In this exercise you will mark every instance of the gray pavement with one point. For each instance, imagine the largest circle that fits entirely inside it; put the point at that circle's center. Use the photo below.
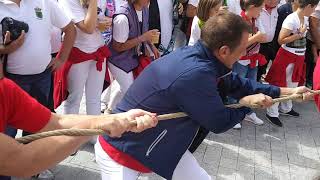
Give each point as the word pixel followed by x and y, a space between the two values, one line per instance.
pixel 252 153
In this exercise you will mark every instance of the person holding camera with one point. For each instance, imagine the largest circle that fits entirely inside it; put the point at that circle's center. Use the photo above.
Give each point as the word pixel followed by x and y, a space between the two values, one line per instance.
pixel 25 26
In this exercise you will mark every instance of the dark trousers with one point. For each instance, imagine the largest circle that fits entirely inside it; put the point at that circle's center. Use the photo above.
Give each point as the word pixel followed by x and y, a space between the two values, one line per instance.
pixel 269 50
pixel 310 64
pixel 201 135
pixel 5 178
pixel 38 86
pixel 50 98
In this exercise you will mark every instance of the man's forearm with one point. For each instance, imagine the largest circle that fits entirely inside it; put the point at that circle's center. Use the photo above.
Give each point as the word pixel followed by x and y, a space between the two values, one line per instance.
pixel 30 159
pixel 70 121
pixel 68 42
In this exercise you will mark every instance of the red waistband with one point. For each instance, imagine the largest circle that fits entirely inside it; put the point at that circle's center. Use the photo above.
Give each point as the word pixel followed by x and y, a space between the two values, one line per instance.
pixel 254 58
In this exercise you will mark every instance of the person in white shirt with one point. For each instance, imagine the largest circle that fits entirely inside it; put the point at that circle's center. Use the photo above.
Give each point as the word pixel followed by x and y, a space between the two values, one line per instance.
pixel 246 67
pixel 164 16
pixel 206 9
pixel 287 69
pixel 29 62
pixel 87 73
pixel 269 17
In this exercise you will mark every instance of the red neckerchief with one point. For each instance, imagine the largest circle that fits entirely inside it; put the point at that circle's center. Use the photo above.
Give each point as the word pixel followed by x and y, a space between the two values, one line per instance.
pixel 246 18
pixel 251 22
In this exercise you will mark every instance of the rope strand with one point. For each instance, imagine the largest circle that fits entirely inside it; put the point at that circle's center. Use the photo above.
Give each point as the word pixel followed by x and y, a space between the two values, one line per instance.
pixel 163 117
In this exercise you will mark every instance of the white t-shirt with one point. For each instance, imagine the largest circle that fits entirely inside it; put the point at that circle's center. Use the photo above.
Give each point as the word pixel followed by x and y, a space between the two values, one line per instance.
pixel 269 22
pixel 292 22
pixel 195 31
pixel 121 27
pixel 55 39
pixel 166 24
pixel 194 2
pixel 234 6
pixel 35 54
pixel 87 43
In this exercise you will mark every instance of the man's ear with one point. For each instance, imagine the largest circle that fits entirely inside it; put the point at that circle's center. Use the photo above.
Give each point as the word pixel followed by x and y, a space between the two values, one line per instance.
pixel 224 52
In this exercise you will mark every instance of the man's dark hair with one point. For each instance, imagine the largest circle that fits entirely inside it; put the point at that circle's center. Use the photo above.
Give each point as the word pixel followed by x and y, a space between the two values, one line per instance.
pixel 225 29
pixel 245 4
pixel 305 3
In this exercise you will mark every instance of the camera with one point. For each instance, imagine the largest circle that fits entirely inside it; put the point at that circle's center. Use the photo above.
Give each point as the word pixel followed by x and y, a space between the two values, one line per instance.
pixel 15 27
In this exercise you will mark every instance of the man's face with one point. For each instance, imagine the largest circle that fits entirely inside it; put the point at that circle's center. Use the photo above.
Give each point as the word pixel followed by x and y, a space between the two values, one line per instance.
pixel 228 57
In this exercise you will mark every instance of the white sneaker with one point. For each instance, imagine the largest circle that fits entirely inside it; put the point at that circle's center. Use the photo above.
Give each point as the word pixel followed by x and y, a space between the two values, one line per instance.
pixel 253 118
pixel 107 111
pixel 237 126
pixel 45 175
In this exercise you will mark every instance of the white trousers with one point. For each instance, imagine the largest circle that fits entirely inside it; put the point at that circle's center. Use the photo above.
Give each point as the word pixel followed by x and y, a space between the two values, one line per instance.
pixel 285 107
pixel 124 80
pixel 85 76
pixel 187 168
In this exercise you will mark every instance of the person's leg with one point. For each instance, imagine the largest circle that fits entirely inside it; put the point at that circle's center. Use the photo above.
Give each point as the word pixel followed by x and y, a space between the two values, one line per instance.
pixel 5 178
pixel 252 116
pixel 93 91
pixel 41 87
pixel 105 96
pixel 124 79
pixel 201 135
pixel 77 78
pixel 189 168
pixel 266 50
pixel 309 60
pixel 240 69
pixel 286 107
pixel 111 170
pixel 94 86
pixel 24 84
pixel 273 111
pixel 40 90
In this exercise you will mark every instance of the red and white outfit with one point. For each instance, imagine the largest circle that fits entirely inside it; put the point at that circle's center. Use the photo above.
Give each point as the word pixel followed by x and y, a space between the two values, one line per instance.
pixel 20 110
pixel 88 74
pixel 289 60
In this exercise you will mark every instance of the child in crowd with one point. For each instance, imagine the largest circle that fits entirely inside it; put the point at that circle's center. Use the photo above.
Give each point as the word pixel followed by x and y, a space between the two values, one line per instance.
pixel 288 68
pixel 206 9
pixel 247 65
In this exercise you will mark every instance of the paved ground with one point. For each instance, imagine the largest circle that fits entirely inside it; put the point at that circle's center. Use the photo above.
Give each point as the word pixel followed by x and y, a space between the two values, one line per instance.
pixel 252 153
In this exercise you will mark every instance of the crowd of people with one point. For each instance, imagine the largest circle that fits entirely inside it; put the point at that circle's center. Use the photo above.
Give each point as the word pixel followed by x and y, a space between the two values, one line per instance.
pixel 162 56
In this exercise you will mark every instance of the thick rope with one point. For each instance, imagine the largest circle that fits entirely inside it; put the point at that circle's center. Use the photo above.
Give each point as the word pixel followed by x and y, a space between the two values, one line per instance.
pixel 93 132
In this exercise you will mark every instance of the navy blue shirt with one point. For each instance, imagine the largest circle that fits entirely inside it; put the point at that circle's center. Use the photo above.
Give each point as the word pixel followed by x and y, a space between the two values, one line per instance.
pixel 185 80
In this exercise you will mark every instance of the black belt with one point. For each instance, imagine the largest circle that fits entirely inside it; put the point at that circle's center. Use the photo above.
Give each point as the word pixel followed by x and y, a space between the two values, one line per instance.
pixel 296 47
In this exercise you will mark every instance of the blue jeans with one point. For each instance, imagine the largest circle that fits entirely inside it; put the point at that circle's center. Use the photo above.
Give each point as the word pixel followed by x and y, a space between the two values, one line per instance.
pixel 244 72
pixel 38 86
